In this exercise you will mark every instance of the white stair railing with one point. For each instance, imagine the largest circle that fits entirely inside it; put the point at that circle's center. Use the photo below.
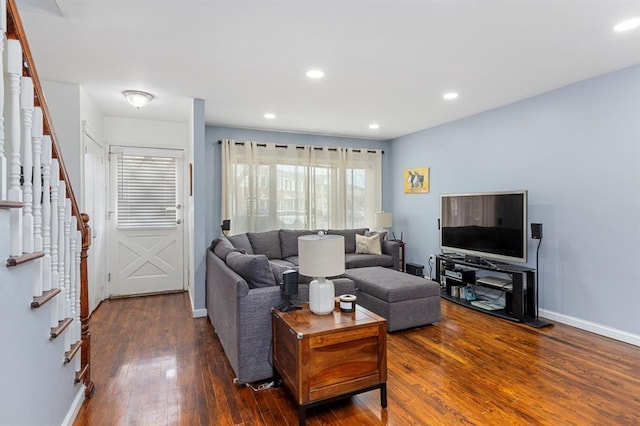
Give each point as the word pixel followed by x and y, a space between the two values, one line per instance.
pixel 55 282
pixel 12 121
pixel 62 196
pixel 26 151
pixel 36 137
pixel 48 230
pixel 46 213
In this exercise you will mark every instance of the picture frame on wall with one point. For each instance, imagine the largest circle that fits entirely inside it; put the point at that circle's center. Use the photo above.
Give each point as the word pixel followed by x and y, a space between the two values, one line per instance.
pixel 416 181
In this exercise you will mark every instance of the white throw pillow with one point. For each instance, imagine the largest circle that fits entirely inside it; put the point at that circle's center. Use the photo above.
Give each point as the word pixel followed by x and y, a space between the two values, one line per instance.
pixel 368 245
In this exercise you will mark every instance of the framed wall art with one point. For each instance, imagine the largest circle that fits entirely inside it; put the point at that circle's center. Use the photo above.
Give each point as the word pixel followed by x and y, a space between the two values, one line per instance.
pixel 416 181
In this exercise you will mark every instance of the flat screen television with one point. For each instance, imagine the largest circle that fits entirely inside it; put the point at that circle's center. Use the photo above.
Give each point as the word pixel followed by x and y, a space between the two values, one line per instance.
pixel 488 225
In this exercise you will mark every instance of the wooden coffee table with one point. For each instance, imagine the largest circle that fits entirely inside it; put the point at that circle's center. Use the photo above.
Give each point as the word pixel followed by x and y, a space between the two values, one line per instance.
pixel 322 358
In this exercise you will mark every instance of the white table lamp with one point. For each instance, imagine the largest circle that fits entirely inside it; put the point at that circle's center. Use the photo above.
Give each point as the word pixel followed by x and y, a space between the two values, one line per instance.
pixel 384 220
pixel 321 256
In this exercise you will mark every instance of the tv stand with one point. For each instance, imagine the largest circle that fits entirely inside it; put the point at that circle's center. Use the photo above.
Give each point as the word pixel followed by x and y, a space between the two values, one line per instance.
pixel 519 295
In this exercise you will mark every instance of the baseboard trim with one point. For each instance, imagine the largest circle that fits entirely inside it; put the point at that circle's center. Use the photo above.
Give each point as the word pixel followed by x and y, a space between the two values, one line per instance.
pixel 600 329
pixel 199 313
pixel 75 408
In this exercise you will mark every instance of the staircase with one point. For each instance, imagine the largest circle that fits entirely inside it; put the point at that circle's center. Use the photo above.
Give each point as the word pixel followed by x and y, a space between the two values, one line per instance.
pixel 44 242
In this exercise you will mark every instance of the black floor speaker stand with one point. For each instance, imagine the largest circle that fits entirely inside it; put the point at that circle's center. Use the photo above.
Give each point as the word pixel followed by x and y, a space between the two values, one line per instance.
pixel 537 322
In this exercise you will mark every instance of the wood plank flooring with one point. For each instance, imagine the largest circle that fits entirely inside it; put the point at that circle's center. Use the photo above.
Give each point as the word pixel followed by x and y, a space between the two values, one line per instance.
pixel 153 364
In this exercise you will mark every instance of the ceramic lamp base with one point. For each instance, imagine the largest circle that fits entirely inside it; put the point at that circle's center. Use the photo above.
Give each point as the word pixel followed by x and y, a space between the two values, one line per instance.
pixel 321 296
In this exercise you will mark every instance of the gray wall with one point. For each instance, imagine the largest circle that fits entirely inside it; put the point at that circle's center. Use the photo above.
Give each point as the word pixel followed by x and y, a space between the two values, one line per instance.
pixel 213 153
pixel 37 388
pixel 576 150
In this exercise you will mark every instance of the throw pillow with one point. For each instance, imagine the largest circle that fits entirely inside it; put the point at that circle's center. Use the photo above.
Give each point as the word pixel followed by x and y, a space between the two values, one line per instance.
pixel 382 235
pixel 254 268
pixel 222 247
pixel 368 245
pixel 278 269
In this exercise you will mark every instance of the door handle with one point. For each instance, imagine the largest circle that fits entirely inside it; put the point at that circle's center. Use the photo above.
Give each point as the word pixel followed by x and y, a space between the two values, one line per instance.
pixel 179 221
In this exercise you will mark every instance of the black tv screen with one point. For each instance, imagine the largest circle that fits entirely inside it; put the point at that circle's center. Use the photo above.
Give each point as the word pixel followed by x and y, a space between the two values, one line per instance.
pixel 492 225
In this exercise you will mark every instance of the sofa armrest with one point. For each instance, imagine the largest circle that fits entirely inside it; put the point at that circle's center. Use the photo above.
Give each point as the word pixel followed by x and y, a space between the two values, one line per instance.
pixel 392 248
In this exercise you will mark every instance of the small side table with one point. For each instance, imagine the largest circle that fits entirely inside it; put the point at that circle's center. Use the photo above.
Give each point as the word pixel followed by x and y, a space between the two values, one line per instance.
pixel 323 358
pixel 403 259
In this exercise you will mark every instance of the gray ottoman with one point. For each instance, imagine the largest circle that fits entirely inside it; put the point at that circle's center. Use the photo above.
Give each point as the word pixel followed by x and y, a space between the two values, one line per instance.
pixel 404 300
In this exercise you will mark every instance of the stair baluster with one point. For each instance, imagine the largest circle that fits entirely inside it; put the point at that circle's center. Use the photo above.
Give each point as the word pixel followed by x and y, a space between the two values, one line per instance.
pixel 62 196
pixel 14 192
pixel 46 213
pixel 66 300
pixel 26 152
pixel 55 281
pixel 36 137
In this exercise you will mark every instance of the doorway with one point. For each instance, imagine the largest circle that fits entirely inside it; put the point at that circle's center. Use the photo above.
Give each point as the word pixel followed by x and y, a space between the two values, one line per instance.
pixel 145 221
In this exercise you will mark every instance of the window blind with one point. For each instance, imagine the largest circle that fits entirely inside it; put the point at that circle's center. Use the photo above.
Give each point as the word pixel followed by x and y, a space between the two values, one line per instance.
pixel 146 191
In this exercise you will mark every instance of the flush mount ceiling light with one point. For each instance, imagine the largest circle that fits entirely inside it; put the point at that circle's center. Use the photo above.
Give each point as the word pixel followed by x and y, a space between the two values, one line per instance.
pixel 315 74
pixel 137 98
pixel 269 116
pixel 374 126
pixel 449 96
pixel 627 25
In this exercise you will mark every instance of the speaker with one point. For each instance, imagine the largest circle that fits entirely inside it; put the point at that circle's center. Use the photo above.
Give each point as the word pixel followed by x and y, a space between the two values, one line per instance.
pixel 536 231
pixel 290 282
pixel 226 225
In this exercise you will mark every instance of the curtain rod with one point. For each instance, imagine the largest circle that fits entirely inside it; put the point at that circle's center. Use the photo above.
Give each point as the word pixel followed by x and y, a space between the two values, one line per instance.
pixel 299 147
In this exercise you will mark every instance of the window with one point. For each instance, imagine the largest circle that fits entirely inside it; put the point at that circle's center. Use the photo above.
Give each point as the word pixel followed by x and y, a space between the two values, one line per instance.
pixel 299 187
pixel 146 191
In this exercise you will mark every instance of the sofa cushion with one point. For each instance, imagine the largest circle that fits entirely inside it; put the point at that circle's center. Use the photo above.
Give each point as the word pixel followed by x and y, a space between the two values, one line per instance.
pixel 349 237
pixel 352 260
pixel 241 241
pixel 368 245
pixel 289 241
pixel 267 243
pixel 278 269
pixel 254 268
pixel 221 246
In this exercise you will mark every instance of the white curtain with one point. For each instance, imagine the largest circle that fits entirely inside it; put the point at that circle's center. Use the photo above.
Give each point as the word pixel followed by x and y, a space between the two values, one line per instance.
pixel 269 186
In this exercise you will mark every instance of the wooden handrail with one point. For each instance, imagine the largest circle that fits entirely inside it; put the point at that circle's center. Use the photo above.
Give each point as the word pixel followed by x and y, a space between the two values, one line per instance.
pixel 15 30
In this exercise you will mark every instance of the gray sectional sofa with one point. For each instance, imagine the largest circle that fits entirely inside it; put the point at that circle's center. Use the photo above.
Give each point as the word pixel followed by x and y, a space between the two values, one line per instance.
pixel 243 272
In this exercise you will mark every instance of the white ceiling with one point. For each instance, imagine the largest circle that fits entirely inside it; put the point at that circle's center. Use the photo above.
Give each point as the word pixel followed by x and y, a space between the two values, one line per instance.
pixel 386 61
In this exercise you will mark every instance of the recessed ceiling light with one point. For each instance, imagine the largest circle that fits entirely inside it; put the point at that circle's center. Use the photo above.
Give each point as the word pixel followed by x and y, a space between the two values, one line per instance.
pixel 269 116
pixel 315 74
pixel 627 25
pixel 449 96
pixel 374 126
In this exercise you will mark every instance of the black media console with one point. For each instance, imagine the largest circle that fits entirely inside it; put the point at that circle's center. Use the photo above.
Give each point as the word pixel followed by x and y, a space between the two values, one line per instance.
pixel 517 283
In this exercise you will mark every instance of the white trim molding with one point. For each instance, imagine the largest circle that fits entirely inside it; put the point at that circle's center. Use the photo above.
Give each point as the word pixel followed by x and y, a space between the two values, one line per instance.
pixel 75 407
pixel 199 313
pixel 602 330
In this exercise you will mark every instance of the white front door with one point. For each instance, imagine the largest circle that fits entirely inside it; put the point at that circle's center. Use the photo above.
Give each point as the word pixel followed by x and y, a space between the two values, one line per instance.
pixel 145 220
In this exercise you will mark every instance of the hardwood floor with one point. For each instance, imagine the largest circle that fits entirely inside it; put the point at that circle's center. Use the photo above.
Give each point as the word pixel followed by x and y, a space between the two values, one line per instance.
pixel 153 364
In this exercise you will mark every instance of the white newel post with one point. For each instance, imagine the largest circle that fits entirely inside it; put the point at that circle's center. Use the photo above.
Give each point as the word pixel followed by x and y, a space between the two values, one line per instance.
pixel 12 111
pixel 46 213
pixel 36 136
pixel 26 109
pixel 55 282
pixel 3 159
pixel 62 196
pixel 67 268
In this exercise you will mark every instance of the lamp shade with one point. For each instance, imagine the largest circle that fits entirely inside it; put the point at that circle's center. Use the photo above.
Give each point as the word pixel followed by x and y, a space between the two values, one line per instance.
pixel 321 256
pixel 384 220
